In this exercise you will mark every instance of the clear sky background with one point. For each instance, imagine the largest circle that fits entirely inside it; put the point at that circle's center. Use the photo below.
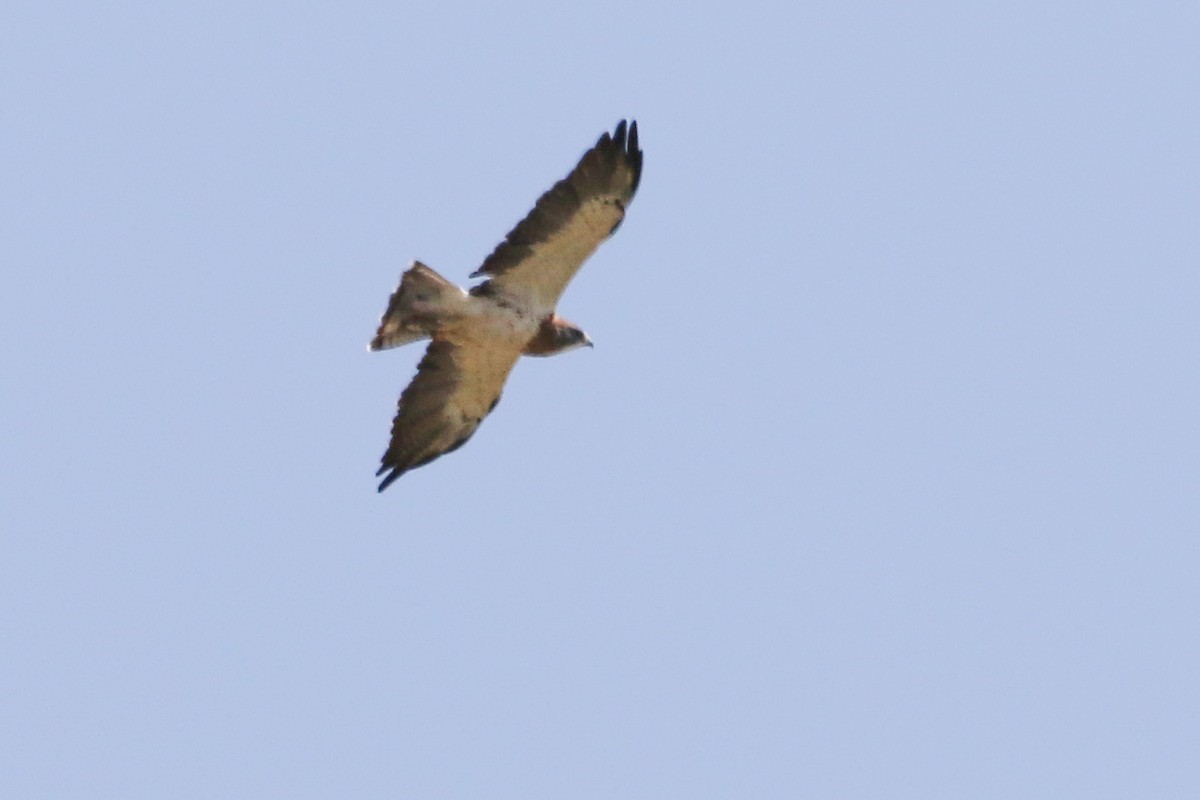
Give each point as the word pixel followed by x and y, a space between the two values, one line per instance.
pixel 883 479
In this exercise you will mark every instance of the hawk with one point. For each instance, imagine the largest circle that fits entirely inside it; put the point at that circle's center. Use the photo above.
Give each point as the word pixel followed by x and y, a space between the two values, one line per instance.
pixel 478 334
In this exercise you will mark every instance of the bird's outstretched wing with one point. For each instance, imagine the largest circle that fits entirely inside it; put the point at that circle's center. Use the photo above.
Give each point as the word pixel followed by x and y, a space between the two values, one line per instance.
pixel 543 252
pixel 456 386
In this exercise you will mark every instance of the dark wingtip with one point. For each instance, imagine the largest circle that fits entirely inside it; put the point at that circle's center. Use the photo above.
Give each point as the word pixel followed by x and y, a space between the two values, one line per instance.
pixel 392 476
pixel 632 151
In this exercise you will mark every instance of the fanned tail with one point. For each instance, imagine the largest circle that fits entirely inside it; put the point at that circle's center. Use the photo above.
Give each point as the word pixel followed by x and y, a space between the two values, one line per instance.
pixel 423 301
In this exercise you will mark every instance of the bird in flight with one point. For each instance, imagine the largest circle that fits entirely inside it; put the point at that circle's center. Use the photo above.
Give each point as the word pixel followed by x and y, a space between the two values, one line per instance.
pixel 478 334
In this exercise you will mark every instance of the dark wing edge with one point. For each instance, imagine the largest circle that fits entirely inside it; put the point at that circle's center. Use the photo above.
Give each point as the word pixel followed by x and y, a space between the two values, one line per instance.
pixel 455 388
pixel 611 169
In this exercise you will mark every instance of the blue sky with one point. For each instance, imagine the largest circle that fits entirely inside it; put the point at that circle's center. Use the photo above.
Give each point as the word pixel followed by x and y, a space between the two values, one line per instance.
pixel 881 481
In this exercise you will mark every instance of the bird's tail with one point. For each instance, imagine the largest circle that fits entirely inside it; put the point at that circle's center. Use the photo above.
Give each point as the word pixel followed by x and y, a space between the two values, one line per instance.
pixel 422 303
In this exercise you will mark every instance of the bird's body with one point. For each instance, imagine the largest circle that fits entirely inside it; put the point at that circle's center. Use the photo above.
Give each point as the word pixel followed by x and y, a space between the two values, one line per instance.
pixel 479 334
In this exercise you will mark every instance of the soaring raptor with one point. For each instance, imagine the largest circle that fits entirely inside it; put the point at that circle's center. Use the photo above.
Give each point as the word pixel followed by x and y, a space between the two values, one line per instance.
pixel 479 334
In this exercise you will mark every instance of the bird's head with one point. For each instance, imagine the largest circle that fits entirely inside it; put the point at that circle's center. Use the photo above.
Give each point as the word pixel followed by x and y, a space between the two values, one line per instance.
pixel 556 335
